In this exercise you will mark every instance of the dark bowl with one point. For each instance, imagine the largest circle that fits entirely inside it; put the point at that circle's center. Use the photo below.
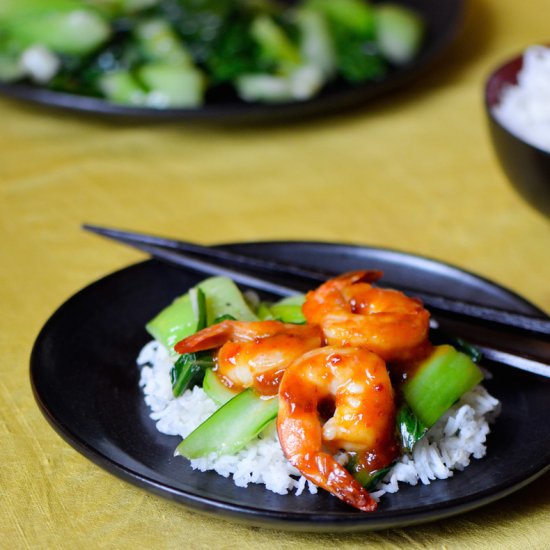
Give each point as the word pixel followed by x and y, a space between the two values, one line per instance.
pixel 527 166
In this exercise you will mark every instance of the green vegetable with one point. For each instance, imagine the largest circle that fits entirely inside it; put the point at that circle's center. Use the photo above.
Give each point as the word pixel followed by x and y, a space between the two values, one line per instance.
pixel 466 348
pixel 438 382
pixel 173 323
pixel 198 304
pixel 399 32
pixel 352 27
pixel 178 320
pixel 122 87
pixel 264 312
pixel 159 42
pixel 223 297
pixel 264 87
pixel 275 46
pixel 116 8
pixel 14 9
pixel 215 389
pixel 286 310
pixel 189 370
pixel 223 318
pixel 410 428
pixel 358 60
pixel 108 73
pixel 287 313
pixel 171 86
pixel 10 68
pixel 316 44
pixel 231 427
pixel 234 53
pixel 200 23
pixel 366 478
pixel 76 32
pixel 295 300
pixel 355 15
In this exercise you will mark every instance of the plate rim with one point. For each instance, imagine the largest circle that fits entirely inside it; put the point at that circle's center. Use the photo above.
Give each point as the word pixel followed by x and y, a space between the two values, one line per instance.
pixel 332 521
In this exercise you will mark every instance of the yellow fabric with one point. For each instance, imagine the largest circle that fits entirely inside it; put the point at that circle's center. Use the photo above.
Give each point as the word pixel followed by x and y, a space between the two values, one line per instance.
pixel 414 171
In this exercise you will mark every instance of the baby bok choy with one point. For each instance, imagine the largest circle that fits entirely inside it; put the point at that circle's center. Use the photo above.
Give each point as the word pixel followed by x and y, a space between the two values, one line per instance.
pixel 179 320
pixel 242 416
pixel 439 382
pixel 432 389
pixel 232 426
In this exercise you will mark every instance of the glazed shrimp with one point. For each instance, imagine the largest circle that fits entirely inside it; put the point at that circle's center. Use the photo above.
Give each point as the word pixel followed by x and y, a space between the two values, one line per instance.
pixel 353 312
pixel 253 354
pixel 357 385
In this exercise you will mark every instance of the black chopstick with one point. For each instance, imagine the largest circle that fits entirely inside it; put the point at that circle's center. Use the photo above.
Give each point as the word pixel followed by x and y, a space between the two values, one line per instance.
pixel 197 257
pixel 204 266
pixel 271 266
pixel 173 255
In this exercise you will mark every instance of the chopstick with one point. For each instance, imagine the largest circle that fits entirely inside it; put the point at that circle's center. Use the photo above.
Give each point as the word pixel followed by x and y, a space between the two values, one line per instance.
pixel 202 254
pixel 188 255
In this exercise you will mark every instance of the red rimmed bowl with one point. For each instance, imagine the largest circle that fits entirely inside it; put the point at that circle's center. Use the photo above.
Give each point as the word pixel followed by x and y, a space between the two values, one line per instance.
pixel 526 166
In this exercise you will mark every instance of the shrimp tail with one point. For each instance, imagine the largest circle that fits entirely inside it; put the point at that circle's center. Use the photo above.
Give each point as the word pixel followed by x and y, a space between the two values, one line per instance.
pixel 360 276
pixel 209 338
pixel 337 284
pixel 321 469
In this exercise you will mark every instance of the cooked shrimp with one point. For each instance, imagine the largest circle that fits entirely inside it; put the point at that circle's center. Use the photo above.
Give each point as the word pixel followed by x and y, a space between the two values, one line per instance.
pixel 353 312
pixel 253 354
pixel 354 383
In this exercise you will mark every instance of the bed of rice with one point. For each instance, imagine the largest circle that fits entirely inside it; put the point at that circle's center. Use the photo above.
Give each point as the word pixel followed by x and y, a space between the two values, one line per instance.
pixel 524 108
pixel 451 443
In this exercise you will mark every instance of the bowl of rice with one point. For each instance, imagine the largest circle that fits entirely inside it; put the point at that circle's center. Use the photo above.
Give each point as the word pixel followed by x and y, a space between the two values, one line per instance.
pixel 518 112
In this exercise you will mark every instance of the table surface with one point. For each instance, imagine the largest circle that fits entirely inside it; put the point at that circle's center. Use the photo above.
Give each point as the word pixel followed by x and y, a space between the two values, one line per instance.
pixel 413 171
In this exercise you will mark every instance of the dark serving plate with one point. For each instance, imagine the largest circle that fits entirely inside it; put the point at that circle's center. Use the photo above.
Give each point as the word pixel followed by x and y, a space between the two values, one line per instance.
pixel 85 381
pixel 443 21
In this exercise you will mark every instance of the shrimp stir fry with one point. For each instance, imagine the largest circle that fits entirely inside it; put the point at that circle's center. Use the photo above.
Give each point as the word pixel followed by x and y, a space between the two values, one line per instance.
pixel 354 385
pixel 253 354
pixel 353 312
pixel 334 389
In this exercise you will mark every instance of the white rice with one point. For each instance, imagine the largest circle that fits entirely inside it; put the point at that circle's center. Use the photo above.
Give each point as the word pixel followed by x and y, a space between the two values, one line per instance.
pixel 524 109
pixel 450 444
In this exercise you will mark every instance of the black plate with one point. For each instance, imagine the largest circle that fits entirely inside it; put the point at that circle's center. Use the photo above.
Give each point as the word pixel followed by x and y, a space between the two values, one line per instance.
pixel 443 21
pixel 86 383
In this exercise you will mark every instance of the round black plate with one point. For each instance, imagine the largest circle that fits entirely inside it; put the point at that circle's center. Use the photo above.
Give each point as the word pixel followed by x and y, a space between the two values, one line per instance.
pixel 443 20
pixel 86 383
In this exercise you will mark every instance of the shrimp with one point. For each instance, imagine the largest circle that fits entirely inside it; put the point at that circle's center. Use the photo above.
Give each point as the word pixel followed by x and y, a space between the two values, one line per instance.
pixel 254 353
pixel 353 312
pixel 355 385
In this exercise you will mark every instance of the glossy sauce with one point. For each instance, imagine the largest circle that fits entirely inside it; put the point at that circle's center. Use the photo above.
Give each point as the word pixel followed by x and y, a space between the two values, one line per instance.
pixel 260 363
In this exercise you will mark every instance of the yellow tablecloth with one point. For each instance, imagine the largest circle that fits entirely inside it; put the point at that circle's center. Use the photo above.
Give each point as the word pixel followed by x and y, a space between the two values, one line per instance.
pixel 414 171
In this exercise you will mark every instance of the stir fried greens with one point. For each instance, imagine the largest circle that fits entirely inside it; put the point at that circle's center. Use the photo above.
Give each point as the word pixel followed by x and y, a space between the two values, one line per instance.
pixel 181 53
